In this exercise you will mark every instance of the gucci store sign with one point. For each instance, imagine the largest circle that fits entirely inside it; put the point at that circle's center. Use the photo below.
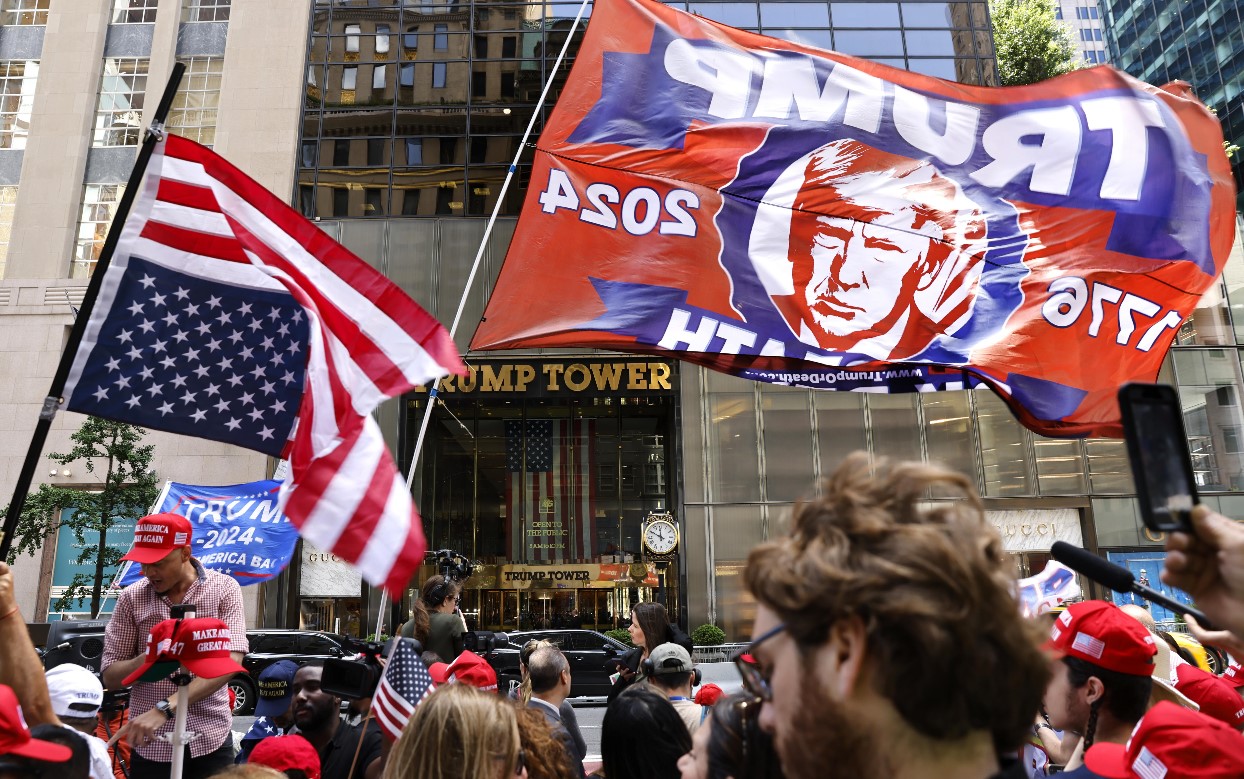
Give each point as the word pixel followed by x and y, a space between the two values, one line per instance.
pixel 1036 530
pixel 325 575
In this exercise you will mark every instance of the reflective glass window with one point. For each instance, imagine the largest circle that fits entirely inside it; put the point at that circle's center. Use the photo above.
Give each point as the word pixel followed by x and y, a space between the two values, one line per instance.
pixel 864 43
pixel 821 39
pixel 865 14
pixel 926 15
pixel 733 14
pixel 948 431
pixel 794 15
pixel 939 68
pixel 1002 445
pixel 1209 382
pixel 895 426
pixel 786 424
pixel 934 43
pixel 1060 466
pixel 840 428
pixel 1109 471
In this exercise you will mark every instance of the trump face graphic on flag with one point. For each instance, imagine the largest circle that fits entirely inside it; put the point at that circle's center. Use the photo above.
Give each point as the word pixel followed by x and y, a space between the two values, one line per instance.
pixel 882 253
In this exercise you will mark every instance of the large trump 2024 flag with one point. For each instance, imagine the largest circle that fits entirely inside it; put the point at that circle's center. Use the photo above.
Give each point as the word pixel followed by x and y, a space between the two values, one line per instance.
pixel 796 216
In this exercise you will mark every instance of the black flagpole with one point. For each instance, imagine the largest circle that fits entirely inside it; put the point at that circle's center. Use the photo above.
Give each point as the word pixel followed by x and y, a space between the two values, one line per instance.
pixel 54 401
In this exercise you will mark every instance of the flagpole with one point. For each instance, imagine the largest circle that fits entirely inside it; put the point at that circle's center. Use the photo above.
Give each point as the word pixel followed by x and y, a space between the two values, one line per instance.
pixel 483 244
pixel 479 255
pixel 53 401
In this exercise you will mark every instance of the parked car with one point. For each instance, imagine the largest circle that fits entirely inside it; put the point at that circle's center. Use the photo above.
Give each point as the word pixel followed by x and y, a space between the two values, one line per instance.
pixel 270 645
pixel 587 651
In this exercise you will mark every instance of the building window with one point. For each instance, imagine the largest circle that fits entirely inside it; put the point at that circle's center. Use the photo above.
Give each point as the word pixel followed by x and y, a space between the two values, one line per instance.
pixel 353 31
pixel 134 11
pixel 8 201
pixel 479 84
pixel 410 41
pixel 509 46
pixel 99 206
pixel 341 202
pixel 25 12
pixel 17 97
pixel 306 200
pixel 414 151
pixel 376 151
pixel 1058 13
pixel 406 77
pixel 382 40
pixel 438 75
pixel 379 78
pixel 118 117
pixel 205 10
pixel 481 47
pixel 194 109
pixel 440 37
pixel 341 153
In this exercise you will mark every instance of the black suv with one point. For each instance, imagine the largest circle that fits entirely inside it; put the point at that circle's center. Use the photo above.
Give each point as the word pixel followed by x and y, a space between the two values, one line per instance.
pixel 587 651
pixel 270 645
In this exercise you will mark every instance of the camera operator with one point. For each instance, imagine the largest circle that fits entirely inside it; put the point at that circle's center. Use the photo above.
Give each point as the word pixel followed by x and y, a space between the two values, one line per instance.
pixel 318 720
pixel 441 596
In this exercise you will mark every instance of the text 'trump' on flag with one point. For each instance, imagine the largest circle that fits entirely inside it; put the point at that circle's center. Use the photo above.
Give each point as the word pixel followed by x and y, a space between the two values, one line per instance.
pixel 226 315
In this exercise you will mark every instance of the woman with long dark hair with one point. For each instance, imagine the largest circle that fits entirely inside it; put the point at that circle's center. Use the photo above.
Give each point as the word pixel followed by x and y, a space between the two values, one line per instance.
pixel 642 736
pixel 650 627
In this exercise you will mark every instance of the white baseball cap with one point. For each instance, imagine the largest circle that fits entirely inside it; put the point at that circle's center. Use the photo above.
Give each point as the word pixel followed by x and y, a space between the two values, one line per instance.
pixel 75 691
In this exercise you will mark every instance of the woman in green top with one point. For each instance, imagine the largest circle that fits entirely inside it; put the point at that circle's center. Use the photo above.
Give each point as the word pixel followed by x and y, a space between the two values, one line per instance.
pixel 445 624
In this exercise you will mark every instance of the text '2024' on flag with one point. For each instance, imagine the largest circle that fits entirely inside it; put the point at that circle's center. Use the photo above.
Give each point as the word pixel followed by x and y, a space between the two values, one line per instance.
pixel 226 315
pixel 796 216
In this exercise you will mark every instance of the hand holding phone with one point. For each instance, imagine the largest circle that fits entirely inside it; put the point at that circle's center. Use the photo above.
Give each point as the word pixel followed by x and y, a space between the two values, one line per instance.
pixel 1157 447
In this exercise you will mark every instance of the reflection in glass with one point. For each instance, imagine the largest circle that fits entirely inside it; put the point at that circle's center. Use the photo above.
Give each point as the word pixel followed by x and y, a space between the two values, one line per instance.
pixel 864 43
pixel 1002 448
pixel 732 447
pixel 1060 466
pixel 865 14
pixel 794 15
pixel 948 431
pixel 785 421
pixel 896 426
pixel 733 14
pixel 1209 381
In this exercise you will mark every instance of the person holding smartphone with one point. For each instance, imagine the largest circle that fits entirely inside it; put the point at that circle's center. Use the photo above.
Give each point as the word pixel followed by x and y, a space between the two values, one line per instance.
pixel 1207 562
pixel 441 596
pixel 650 627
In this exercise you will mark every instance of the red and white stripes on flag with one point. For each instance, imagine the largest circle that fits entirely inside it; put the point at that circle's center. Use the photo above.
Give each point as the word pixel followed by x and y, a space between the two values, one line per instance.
pixel 369 341
pixel 551 489
pixel 404 685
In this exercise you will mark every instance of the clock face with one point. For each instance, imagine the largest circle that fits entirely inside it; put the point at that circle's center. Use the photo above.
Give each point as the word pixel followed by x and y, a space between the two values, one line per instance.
pixel 661 537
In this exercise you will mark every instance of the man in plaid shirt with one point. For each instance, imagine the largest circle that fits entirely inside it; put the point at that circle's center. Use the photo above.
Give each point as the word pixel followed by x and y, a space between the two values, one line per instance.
pixel 172 577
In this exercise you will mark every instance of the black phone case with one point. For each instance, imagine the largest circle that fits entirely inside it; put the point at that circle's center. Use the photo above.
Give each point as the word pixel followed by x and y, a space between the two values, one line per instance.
pixel 1166 395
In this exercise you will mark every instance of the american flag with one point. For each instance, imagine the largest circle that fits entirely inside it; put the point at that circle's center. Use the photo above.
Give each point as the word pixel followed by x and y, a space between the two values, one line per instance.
pixel 1148 766
pixel 551 490
pixel 403 687
pixel 226 315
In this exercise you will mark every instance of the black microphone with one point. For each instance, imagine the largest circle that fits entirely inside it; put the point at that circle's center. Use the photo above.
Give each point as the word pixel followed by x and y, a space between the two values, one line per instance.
pixel 1118 578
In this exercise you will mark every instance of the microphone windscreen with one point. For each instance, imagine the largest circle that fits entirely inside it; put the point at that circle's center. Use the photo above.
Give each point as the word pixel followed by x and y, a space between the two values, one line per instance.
pixel 1104 572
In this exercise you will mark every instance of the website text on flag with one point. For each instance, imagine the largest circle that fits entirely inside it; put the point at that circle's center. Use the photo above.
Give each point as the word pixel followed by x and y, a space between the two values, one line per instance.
pixel 799 217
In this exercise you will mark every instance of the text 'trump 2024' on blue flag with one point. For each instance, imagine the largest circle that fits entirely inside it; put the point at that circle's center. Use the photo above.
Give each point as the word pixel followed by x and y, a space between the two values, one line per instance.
pixel 237 529
pixel 796 216
pixel 226 315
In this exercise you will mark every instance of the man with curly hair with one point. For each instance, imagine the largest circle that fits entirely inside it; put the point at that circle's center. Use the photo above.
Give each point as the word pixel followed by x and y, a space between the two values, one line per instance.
pixel 888 642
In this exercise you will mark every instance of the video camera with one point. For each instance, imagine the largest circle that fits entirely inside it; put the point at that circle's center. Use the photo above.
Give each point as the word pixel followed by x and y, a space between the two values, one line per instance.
pixel 481 641
pixel 454 566
pixel 357 677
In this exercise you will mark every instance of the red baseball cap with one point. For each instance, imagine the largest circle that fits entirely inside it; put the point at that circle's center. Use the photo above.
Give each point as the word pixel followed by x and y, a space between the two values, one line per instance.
pixel 286 752
pixel 470 668
pixel 1216 698
pixel 1100 633
pixel 157 535
pixel 1234 675
pixel 202 645
pixel 15 736
pixel 1173 741
pixel 439 672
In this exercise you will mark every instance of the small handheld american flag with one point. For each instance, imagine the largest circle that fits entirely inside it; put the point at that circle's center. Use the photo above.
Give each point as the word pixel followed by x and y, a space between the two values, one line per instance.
pixel 405 684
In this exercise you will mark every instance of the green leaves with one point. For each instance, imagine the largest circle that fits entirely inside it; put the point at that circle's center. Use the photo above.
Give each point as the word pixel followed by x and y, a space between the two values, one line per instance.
pixel 129 487
pixel 1031 44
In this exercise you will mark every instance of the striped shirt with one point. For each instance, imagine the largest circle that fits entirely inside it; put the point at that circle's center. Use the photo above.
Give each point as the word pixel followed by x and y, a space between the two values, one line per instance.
pixel 138 610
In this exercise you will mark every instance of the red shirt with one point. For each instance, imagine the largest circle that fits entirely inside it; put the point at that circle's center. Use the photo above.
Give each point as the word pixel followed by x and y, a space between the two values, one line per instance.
pixel 138 610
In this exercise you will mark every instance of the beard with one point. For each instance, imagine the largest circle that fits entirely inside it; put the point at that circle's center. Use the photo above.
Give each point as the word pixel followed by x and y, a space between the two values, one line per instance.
pixel 827 739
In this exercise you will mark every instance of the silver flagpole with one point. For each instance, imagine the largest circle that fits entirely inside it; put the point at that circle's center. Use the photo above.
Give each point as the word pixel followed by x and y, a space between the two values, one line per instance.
pixel 479 255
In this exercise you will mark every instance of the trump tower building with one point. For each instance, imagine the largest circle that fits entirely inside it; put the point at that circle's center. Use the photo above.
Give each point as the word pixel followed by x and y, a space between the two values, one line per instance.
pixel 581 481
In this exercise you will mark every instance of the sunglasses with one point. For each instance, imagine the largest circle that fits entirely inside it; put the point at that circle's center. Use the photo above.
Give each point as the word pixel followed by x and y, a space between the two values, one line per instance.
pixel 755 680
pixel 521 765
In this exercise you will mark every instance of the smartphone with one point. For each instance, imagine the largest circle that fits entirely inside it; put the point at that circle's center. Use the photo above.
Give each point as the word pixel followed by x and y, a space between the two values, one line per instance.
pixel 1153 424
pixel 181 611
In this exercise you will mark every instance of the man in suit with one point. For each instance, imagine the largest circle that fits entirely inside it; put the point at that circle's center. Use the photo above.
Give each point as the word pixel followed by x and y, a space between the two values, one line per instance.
pixel 550 685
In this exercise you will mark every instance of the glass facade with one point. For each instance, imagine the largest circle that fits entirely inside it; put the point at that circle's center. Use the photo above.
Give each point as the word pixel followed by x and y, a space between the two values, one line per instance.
pixel 417 108
pixel 1197 41
pixel 414 109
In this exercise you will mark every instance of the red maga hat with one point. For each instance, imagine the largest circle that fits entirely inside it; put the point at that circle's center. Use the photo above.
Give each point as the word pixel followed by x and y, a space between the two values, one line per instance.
pixel 1216 698
pixel 1234 675
pixel 1100 633
pixel 15 738
pixel 202 645
pixel 286 752
pixel 1172 741
pixel 470 668
pixel 157 535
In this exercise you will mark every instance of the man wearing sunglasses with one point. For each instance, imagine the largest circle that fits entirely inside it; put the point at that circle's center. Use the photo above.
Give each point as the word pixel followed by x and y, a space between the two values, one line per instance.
pixel 888 642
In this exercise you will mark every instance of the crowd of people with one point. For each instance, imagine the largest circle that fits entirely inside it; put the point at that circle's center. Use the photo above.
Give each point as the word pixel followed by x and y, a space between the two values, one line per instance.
pixel 887 643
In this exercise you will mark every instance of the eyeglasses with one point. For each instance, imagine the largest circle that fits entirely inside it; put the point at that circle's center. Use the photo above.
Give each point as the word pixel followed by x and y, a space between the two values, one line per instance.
pixel 521 765
pixel 754 680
